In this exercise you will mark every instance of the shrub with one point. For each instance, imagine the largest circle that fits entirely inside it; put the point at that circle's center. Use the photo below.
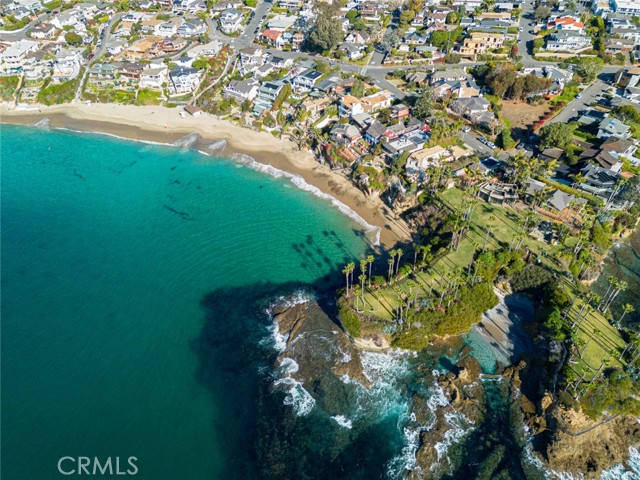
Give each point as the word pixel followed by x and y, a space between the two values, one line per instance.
pixel 349 320
pixel 531 278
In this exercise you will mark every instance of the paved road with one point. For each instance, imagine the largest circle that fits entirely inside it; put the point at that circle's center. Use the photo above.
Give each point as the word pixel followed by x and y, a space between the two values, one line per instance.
pixel 578 104
pixel 470 139
pixel 526 44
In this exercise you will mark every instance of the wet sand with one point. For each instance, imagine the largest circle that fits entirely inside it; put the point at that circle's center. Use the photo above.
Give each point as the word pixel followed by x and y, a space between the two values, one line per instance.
pixel 166 125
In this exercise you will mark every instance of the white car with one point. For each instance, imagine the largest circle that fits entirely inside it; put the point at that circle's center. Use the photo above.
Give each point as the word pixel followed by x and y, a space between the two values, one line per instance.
pixel 520 29
pixel 466 129
pixel 579 96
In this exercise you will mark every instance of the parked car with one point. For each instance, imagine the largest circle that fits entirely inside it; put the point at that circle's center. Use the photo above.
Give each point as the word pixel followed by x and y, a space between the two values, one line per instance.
pixel 466 129
pixel 579 96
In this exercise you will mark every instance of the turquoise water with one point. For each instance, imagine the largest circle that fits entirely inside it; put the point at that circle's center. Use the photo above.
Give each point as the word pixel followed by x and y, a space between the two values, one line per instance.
pixel 114 255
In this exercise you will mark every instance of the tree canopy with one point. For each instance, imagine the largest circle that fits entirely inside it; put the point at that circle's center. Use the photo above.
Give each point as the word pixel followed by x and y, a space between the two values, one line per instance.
pixel 556 135
pixel 327 30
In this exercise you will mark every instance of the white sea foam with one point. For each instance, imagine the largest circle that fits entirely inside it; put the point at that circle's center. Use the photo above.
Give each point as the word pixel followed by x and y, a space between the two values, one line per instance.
pixel 219 145
pixel 296 396
pixel 301 183
pixel 105 134
pixel 343 421
pixel 289 366
pixel 276 339
pixel 459 426
pixel 43 124
pixel 630 471
pixel 406 460
pixel 187 140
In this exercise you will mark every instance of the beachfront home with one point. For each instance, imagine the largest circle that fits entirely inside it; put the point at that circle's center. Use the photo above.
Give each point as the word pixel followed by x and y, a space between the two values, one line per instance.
pixel 267 94
pixel 242 89
pixel 306 80
pixel 153 77
pixel 184 79
pixel 11 58
pixel 567 41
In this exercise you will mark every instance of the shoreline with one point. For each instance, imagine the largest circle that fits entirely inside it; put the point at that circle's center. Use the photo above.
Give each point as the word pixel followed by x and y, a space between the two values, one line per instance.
pixel 164 125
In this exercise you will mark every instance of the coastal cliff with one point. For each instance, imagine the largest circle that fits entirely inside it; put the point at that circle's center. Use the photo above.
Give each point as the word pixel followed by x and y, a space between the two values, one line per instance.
pixel 451 417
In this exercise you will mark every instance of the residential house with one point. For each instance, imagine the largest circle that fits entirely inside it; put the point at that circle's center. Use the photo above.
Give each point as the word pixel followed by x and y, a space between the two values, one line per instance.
pixel 613 46
pixel 267 94
pixel 475 109
pixel 375 132
pixel 400 111
pixel 153 77
pixel 377 101
pixel 11 58
pixel 306 80
pixel 410 142
pixel 316 106
pixel 370 12
pixel 612 127
pixel 626 7
pixel 281 23
pixel 242 89
pixel 230 20
pixel 102 73
pixel 560 201
pixel 358 37
pixel 598 180
pixel 274 37
pixel 344 134
pixel 210 49
pixel 566 23
pixel 43 31
pixel 480 43
pixel 168 28
pixel 66 65
pixel 192 28
pixel 567 41
pixel 349 106
pixel 130 70
pixel 421 160
pixel 184 79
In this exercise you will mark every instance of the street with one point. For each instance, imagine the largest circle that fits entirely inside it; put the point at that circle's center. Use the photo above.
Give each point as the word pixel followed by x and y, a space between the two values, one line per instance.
pixel 578 104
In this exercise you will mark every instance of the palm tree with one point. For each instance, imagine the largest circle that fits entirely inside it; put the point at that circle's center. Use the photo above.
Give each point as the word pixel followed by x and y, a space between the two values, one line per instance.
pixel 352 267
pixel 370 261
pixel 390 262
pixel 627 308
pixel 362 277
pixel 426 253
pixel 345 270
pixel 399 252
pixel 486 238
pixel 357 291
pixel 612 282
pixel 620 287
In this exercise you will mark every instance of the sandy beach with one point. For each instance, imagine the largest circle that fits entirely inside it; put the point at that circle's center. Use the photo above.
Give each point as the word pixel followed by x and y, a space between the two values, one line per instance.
pixel 166 125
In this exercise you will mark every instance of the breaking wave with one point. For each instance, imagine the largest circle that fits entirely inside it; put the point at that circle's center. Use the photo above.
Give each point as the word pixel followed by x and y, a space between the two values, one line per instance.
pixel 343 421
pixel 296 396
pixel 218 146
pixel 187 140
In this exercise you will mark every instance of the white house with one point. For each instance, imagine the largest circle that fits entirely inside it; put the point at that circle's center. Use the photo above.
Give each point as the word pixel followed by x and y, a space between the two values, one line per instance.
pixel 230 20
pixel 12 57
pixel 153 77
pixel 242 89
pixel 184 79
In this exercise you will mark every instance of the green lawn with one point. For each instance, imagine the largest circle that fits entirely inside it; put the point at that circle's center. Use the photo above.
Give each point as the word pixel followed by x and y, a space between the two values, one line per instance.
pixel 148 97
pixel 504 223
pixel 568 94
pixel 606 343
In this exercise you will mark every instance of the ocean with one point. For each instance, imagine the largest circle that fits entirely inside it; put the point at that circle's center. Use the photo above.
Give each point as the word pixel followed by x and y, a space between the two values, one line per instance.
pixel 136 285
pixel 115 255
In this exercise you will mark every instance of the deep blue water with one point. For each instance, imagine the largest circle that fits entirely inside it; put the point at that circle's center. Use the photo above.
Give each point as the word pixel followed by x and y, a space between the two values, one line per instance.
pixel 133 283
